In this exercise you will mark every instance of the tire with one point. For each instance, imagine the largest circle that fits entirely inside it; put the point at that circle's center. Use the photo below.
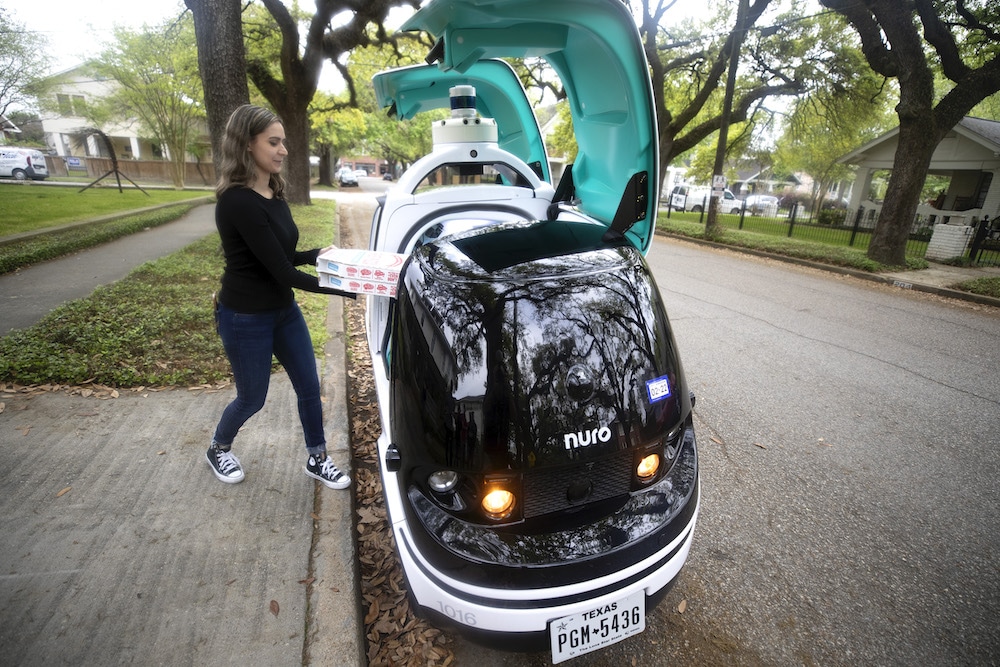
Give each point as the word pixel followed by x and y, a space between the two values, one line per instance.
pixel 19 175
pixel 696 209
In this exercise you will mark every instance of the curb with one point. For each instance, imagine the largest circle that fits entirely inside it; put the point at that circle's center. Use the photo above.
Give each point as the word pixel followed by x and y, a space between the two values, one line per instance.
pixel 892 281
pixel 336 633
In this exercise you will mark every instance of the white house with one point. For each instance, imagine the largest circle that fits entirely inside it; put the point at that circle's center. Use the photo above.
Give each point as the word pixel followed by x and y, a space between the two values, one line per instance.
pixel 140 156
pixel 63 118
pixel 969 154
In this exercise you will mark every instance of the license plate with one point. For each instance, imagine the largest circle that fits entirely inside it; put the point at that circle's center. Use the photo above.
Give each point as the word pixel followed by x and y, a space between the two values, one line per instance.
pixel 572 636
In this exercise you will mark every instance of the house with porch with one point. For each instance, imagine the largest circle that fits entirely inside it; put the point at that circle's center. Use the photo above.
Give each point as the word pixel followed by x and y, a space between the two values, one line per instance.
pixel 969 156
pixel 64 117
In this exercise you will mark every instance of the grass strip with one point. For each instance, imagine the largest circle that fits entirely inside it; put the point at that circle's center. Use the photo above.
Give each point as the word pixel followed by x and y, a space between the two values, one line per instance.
pixel 154 327
pixel 987 286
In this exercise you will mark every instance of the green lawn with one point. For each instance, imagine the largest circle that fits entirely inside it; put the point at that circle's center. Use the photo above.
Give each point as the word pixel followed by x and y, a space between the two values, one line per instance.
pixel 26 207
pixel 801 231
pixel 153 327
pixel 836 252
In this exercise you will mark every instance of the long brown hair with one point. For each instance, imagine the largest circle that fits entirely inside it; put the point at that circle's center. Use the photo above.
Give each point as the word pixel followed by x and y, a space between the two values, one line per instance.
pixel 237 166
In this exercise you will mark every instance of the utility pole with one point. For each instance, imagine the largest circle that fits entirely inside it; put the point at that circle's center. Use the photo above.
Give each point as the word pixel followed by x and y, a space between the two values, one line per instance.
pixel 718 179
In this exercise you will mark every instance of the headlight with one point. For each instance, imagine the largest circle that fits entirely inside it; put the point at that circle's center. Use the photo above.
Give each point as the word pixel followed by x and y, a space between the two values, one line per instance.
pixel 442 481
pixel 648 467
pixel 498 503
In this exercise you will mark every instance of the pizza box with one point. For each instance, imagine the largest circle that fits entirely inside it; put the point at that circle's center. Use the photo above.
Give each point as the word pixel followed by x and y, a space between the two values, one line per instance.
pixel 357 285
pixel 366 265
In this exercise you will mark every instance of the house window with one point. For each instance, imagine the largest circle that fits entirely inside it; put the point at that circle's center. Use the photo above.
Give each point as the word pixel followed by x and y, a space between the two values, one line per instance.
pixel 71 105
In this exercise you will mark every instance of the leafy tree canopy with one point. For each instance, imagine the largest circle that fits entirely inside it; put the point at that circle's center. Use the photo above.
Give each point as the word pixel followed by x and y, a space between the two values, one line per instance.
pixel 23 62
pixel 157 72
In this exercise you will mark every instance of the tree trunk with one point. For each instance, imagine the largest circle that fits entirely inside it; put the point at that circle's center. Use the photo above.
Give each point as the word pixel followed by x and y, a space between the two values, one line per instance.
pixel 325 171
pixel 296 123
pixel 218 28
pixel 917 141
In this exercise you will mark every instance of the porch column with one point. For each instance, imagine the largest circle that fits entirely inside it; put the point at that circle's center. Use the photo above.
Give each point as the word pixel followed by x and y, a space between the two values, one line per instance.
pixel 134 141
pixel 862 184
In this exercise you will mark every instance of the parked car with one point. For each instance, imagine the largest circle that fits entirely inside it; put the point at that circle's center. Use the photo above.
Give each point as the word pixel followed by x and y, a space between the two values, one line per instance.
pixel 346 178
pixel 765 205
pixel 695 198
pixel 387 176
pixel 23 163
pixel 537 447
pixel 360 173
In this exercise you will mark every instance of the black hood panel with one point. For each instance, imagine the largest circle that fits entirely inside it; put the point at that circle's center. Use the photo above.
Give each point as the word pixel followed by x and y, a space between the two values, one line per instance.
pixel 530 345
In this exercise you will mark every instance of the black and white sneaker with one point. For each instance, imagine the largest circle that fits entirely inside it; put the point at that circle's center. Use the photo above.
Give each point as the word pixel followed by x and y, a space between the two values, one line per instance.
pixel 324 470
pixel 225 465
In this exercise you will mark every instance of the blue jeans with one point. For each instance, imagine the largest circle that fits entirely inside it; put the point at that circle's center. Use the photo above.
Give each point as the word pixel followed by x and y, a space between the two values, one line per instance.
pixel 250 339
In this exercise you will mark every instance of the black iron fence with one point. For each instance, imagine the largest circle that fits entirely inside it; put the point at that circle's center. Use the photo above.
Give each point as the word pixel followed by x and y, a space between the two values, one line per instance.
pixel 985 247
pixel 831 226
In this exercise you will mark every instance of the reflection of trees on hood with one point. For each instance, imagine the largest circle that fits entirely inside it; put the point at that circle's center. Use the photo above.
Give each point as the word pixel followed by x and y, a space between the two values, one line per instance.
pixel 597 308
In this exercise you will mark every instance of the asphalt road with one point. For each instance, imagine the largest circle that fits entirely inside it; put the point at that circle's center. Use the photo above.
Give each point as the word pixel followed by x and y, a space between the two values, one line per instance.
pixel 848 437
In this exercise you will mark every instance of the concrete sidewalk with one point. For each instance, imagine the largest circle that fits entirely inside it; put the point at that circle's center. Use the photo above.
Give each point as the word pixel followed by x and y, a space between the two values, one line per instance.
pixel 120 546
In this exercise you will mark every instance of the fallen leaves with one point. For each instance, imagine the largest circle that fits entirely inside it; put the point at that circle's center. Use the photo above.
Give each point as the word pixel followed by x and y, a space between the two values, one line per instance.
pixel 91 389
pixel 275 608
pixel 86 389
pixel 64 492
pixel 682 607
pixel 395 635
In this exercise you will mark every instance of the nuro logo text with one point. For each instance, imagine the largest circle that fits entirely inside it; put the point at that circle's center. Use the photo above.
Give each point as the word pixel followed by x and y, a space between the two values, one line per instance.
pixel 586 438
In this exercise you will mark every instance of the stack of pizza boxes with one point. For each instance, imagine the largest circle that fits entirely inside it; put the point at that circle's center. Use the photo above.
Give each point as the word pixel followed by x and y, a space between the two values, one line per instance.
pixel 360 271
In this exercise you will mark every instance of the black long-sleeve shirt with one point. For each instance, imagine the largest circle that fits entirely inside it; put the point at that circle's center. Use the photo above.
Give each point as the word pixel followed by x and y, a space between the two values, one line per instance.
pixel 258 239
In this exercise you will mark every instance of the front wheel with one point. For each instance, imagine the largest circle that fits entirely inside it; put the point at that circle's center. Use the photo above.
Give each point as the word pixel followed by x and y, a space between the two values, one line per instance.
pixel 696 209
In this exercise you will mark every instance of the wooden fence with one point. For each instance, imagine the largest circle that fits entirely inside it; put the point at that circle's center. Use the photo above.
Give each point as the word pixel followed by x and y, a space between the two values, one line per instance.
pixel 141 171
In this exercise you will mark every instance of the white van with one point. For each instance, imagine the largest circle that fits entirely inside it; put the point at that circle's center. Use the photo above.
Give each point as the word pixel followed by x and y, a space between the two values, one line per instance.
pixel 696 198
pixel 22 163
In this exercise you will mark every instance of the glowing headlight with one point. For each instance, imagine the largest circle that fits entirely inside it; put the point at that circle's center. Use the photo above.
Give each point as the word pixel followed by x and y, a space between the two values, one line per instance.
pixel 443 481
pixel 647 467
pixel 498 503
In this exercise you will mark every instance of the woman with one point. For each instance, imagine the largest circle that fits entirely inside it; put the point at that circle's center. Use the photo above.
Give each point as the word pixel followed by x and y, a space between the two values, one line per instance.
pixel 256 311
